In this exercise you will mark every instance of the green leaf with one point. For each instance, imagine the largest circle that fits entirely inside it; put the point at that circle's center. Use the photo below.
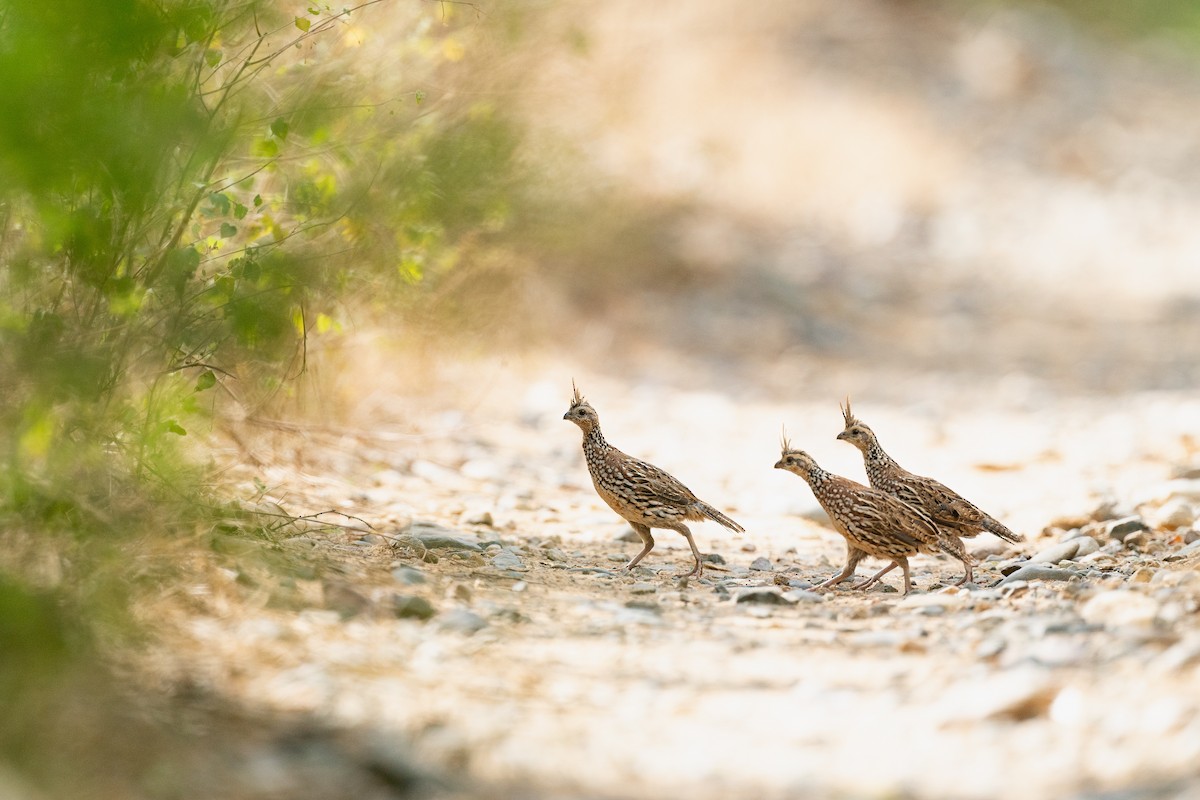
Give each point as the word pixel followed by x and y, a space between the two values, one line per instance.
pixel 420 96
pixel 175 428
pixel 303 24
pixel 220 202
pixel 212 57
pixel 207 380
pixel 258 201
pixel 280 128
pixel 228 231
pixel 265 148
pixel 239 211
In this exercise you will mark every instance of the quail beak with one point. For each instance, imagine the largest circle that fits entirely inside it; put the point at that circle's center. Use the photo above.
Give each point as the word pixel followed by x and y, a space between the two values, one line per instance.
pixel 567 415
pixel 779 464
pixel 843 436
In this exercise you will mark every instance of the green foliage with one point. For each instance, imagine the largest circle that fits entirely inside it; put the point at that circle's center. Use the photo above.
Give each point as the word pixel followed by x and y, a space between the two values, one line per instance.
pixel 191 188
pixel 184 200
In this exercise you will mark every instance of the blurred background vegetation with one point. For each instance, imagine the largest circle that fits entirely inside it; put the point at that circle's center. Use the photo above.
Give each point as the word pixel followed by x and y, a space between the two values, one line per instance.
pixel 202 202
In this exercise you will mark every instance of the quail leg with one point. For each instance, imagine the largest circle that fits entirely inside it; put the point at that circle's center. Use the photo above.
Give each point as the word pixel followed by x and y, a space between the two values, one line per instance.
pixel 969 576
pixel 647 540
pixel 697 570
pixel 874 579
pixel 853 556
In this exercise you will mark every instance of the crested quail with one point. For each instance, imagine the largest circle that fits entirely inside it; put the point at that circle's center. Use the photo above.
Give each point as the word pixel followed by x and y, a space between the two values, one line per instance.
pixel 946 507
pixel 641 493
pixel 873 522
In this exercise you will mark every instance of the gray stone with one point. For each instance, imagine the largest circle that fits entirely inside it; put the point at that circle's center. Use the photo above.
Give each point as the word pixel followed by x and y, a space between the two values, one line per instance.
pixel 408 576
pixel 411 606
pixel 1087 546
pixel 1191 536
pixel 802 596
pixel 1013 566
pixel 616 558
pixel 1037 572
pixel 763 596
pixel 1063 551
pixel 460 620
pixel 643 588
pixel 629 535
pixel 713 558
pixel 1187 551
pixel 508 560
pixel 648 606
pixel 1119 529
pixel 761 564
pixel 436 537
pixel 554 554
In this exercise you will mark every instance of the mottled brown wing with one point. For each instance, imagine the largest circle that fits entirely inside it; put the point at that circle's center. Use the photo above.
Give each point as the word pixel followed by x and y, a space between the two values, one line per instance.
pixel 650 485
pixel 888 516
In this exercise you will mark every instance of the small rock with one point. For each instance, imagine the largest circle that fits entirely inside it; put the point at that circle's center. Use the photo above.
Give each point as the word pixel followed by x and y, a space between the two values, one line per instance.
pixel 411 606
pixel 1120 608
pixel 408 576
pixel 1121 528
pixel 460 591
pixel 763 596
pixel 1037 572
pixel 761 564
pixel 1143 575
pixel 629 535
pixel 644 605
pixel 519 587
pixel 460 620
pixel 643 588
pixel 1136 540
pixel 616 558
pixel 1175 513
pixel 713 558
pixel 1013 566
pixel 1187 551
pixel 1063 551
pixel 1191 536
pixel 748 547
pixel 803 596
pixel 435 537
pixel 344 599
pixel 554 554
pixel 1087 546
pixel 508 560
pixel 479 518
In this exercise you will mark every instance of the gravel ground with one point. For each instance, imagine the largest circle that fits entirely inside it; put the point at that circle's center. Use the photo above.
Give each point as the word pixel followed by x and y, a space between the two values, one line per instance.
pixel 483 626
pixel 979 225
